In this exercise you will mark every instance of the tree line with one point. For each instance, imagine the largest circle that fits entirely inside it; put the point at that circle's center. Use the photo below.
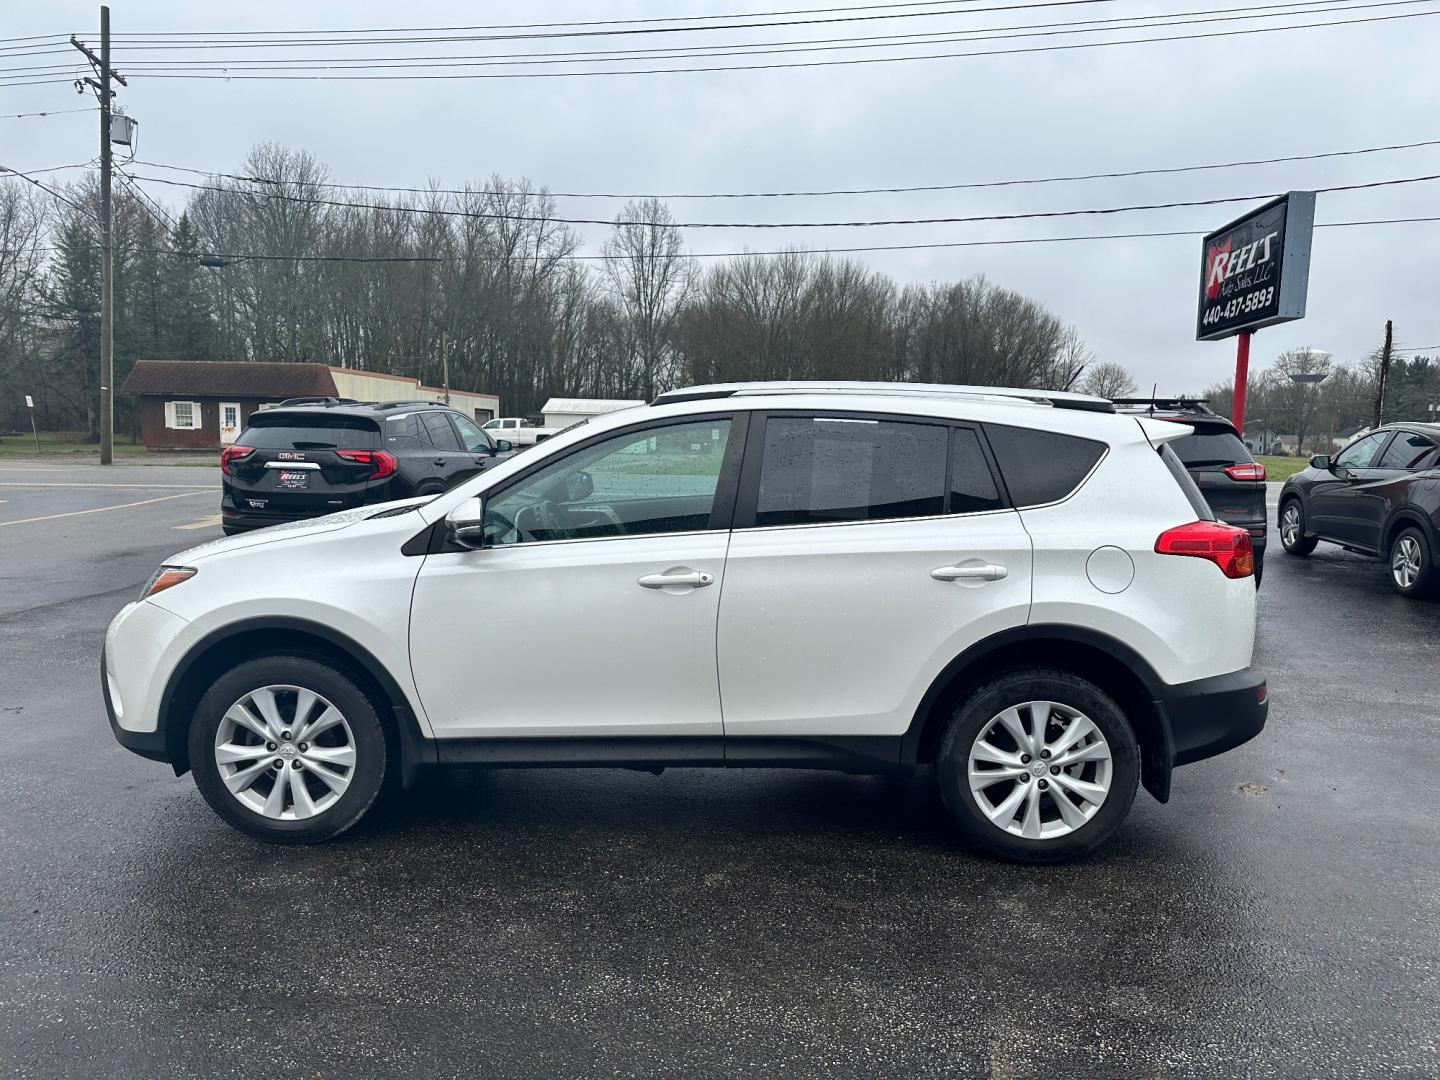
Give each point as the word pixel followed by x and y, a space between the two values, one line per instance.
pixel 271 269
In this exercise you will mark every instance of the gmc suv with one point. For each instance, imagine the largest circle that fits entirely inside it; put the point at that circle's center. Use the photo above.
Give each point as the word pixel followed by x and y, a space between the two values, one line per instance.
pixel 1020 588
pixel 314 456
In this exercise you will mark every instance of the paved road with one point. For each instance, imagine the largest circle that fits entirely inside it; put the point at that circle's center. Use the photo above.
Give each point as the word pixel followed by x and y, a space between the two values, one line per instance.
pixel 1280 917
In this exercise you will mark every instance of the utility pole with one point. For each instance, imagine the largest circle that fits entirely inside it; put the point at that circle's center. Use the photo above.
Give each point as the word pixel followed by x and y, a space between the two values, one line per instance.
pixel 1384 377
pixel 102 89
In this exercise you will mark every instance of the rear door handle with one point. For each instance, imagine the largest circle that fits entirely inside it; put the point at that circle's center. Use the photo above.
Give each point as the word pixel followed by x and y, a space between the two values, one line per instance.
pixel 984 572
pixel 438 461
pixel 681 579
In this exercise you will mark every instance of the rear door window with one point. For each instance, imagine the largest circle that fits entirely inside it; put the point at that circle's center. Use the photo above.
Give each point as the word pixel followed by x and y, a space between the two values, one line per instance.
pixel 1041 467
pixel 309 433
pixel 1409 451
pixel 442 435
pixel 817 469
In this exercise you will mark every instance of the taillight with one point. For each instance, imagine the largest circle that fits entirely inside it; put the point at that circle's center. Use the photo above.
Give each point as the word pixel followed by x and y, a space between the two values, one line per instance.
pixel 233 453
pixel 1226 546
pixel 1250 471
pixel 381 464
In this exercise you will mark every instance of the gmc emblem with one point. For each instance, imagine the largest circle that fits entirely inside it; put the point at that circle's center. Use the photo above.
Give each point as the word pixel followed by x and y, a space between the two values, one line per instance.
pixel 289 455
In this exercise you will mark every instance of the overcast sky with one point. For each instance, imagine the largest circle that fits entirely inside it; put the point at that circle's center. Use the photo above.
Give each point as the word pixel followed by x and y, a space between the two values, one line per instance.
pixel 923 122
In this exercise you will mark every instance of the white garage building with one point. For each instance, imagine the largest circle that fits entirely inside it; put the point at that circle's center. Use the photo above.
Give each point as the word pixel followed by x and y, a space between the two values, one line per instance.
pixel 562 412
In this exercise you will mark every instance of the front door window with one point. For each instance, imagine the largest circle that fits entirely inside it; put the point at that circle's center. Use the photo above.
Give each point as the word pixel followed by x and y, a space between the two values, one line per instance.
pixel 1360 455
pixel 659 480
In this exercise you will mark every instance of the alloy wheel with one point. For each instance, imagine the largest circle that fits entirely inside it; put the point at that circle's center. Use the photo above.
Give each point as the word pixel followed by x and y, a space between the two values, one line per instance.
pixel 1290 525
pixel 285 752
pixel 1040 769
pixel 1405 562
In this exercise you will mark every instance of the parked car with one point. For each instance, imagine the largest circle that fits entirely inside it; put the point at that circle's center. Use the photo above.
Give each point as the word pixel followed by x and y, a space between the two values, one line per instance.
pixel 317 456
pixel 519 431
pixel 1030 596
pixel 1379 496
pixel 1231 480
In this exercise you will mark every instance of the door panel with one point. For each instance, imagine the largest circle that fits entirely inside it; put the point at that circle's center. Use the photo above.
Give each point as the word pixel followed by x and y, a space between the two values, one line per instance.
pixel 563 639
pixel 839 629
pixel 1334 509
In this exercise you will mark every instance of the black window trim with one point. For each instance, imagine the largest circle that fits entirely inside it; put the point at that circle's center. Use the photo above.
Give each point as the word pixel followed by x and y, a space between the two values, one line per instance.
pixel 722 509
pixel 747 497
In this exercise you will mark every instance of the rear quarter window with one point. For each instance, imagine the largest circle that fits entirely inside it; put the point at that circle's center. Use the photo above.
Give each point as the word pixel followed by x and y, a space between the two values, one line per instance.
pixel 310 433
pixel 1041 467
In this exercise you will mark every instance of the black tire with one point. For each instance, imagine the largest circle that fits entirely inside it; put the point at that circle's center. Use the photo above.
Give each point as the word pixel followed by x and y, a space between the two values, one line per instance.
pixel 430 488
pixel 1426 580
pixel 230 530
pixel 366 776
pixel 975 714
pixel 1259 569
pixel 1301 544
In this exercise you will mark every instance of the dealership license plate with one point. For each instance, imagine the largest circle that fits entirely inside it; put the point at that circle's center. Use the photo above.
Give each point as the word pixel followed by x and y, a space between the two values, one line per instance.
pixel 294 481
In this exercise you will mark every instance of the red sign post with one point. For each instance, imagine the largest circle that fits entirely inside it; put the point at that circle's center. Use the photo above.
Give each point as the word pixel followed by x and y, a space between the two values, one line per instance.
pixel 1242 380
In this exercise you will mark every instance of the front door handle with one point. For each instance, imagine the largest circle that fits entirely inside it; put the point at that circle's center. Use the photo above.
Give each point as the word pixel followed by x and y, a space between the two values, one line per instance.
pixel 981 572
pixel 678 579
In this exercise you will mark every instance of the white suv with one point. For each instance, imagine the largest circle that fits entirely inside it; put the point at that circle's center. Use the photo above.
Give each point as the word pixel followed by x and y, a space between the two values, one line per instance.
pixel 1024 590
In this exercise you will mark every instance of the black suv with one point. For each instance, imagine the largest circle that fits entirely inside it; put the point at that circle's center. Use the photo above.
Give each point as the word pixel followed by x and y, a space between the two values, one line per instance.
pixel 313 456
pixel 1379 496
pixel 1232 481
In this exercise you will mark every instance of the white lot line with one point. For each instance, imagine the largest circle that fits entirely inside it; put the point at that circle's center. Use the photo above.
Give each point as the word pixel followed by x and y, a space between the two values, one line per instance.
pixel 141 487
pixel 204 523
pixel 102 509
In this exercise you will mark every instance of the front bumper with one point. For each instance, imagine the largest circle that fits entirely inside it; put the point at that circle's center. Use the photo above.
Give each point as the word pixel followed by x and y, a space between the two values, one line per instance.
pixel 148 744
pixel 1209 716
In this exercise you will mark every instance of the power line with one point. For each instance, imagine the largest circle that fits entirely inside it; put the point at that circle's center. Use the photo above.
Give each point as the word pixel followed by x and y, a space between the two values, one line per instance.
pixel 542 25
pixel 50 112
pixel 814 45
pixel 534 218
pixel 317 39
pixel 50 191
pixel 1013 241
pixel 1169 170
pixel 787 65
pixel 135 189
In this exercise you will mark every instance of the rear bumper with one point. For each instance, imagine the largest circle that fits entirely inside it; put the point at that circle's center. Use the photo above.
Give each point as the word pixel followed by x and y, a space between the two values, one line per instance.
pixel 1210 716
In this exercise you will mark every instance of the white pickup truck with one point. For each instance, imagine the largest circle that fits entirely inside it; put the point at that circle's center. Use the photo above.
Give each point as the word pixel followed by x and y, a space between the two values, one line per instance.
pixel 520 432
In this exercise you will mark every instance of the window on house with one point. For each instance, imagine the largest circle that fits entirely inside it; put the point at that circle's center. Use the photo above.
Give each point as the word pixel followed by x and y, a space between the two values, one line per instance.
pixel 183 415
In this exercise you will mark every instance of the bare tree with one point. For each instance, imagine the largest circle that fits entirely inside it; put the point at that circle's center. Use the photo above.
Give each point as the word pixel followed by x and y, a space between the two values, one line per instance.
pixel 1302 395
pixel 1107 379
pixel 650 278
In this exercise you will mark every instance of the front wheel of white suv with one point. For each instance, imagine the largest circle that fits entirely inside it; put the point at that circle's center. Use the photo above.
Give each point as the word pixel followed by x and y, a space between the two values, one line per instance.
pixel 1038 765
pixel 287 749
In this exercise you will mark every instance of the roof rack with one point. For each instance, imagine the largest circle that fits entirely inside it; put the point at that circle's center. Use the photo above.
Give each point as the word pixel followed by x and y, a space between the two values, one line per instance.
pixel 316 401
pixel 1201 405
pixel 405 403
pixel 1058 399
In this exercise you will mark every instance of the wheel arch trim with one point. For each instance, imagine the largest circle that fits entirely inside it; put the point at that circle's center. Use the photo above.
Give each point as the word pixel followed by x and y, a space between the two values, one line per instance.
pixel 415 749
pixel 1152 731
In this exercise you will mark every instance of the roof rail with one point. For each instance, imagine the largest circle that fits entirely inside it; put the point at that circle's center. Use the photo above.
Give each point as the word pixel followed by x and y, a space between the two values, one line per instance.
pixel 316 401
pixel 411 401
pixel 1196 404
pixel 1058 399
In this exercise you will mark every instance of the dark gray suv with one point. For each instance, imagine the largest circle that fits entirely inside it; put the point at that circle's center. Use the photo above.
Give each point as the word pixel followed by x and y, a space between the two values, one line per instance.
pixel 314 456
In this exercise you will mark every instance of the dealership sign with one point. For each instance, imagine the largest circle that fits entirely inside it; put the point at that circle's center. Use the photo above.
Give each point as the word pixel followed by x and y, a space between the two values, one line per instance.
pixel 1255 271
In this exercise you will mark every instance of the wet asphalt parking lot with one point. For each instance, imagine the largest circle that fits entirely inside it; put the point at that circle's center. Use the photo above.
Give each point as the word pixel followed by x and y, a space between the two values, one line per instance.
pixel 1279 917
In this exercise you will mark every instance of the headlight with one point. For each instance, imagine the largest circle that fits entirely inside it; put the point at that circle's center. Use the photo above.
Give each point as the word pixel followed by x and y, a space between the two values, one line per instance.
pixel 165 578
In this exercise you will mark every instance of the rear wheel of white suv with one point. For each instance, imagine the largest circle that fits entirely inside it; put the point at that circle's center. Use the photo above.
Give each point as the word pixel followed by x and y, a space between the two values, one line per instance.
pixel 287 749
pixel 1038 765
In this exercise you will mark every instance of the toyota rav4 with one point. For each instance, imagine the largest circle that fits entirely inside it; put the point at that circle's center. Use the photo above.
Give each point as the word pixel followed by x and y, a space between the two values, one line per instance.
pixel 1021 589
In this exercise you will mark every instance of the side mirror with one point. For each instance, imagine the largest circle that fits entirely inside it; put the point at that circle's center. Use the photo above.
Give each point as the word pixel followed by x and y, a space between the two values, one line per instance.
pixel 1320 461
pixel 503 446
pixel 578 486
pixel 466 523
